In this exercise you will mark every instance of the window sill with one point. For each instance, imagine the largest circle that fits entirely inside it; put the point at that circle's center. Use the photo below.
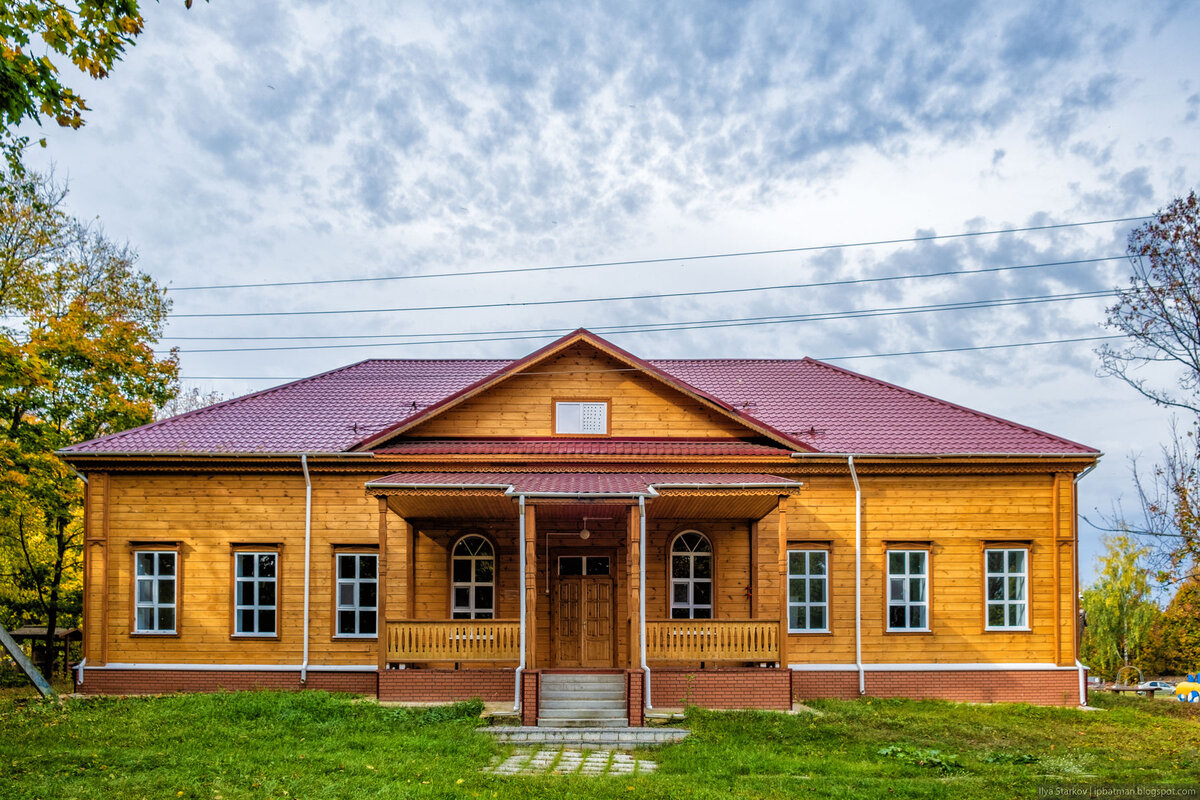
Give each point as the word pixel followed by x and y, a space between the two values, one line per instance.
pixel 807 632
pixel 355 636
pixel 908 630
pixel 264 636
pixel 1007 629
pixel 154 633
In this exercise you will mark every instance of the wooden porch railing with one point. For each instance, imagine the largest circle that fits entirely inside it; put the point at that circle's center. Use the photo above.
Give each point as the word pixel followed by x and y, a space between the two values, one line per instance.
pixel 712 640
pixel 454 640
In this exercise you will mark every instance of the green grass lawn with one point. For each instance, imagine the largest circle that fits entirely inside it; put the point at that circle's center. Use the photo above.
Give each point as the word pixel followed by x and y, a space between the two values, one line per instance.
pixel 316 745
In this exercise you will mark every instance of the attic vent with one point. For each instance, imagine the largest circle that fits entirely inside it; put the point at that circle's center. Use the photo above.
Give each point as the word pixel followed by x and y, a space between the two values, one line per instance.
pixel 581 418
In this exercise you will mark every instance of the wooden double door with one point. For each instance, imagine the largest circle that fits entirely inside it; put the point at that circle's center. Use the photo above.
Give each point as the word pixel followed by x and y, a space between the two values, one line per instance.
pixel 582 612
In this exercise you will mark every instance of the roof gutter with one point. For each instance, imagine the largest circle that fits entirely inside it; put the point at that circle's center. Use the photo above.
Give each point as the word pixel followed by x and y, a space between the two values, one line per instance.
pixel 510 490
pixel 1073 456
pixel 521 551
pixel 1083 670
pixel 64 452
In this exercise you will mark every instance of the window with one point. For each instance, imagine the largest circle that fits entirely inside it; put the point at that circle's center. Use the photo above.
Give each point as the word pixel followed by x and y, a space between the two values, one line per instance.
pixel 808 591
pixel 254 595
pixel 571 566
pixel 908 590
pixel 357 594
pixel 691 576
pixel 154 591
pixel 581 418
pixel 472 572
pixel 1006 571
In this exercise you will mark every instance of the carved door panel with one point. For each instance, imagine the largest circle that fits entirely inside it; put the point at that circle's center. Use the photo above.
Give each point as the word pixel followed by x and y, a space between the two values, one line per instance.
pixel 597 622
pixel 567 642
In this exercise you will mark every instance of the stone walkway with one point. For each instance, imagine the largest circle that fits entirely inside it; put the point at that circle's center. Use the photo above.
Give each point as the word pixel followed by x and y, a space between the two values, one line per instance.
pixel 561 761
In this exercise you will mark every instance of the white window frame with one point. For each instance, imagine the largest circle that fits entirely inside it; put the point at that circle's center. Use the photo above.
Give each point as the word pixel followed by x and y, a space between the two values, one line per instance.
pixel 256 607
pixel 690 605
pixel 472 609
pixel 907 576
pixel 806 578
pixel 1006 602
pixel 355 585
pixel 570 417
pixel 154 580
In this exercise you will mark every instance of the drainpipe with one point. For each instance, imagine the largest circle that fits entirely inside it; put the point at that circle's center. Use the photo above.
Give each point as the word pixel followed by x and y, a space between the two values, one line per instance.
pixel 307 558
pixel 862 679
pixel 521 550
pixel 642 594
pixel 1083 698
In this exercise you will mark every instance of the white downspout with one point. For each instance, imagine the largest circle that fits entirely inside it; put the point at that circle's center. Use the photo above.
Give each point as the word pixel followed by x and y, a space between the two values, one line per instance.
pixel 862 679
pixel 642 594
pixel 307 558
pixel 1078 663
pixel 521 549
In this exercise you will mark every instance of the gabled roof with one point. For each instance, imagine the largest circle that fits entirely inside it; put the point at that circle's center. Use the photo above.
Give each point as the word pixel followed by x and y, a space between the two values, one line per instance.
pixel 804 405
pixel 570 340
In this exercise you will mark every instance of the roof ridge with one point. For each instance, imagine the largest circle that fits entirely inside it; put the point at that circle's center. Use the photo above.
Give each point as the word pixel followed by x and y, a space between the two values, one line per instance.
pixel 224 403
pixel 948 403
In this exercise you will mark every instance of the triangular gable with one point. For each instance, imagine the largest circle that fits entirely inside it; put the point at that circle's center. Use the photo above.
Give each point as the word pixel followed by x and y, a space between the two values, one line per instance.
pixel 608 350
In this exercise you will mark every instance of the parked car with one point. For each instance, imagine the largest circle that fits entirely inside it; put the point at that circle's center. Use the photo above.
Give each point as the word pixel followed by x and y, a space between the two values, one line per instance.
pixel 1095 682
pixel 1161 686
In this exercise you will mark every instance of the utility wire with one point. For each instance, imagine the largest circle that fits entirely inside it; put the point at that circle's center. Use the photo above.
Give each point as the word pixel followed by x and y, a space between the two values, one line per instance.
pixel 616 298
pixel 823 358
pixel 843 282
pixel 701 324
pixel 702 257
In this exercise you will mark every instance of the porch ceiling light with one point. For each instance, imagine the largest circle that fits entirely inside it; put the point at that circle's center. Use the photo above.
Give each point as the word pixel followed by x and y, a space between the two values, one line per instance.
pixel 584 533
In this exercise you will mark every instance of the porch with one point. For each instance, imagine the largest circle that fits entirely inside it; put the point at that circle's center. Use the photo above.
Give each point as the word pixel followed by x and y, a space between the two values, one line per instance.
pixel 565 571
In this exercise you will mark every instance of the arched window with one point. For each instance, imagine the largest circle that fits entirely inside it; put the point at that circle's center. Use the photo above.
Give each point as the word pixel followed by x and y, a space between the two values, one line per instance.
pixel 472 576
pixel 691 576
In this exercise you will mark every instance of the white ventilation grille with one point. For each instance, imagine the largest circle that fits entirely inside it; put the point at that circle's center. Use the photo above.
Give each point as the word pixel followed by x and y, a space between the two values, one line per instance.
pixel 581 418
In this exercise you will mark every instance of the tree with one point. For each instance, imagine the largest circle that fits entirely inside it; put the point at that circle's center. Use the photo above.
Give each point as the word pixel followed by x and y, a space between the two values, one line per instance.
pixel 1118 610
pixel 76 362
pixel 1159 313
pixel 1174 646
pixel 91 34
pixel 189 399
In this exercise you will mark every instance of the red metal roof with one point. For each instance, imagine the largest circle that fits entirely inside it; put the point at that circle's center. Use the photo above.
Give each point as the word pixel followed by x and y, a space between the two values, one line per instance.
pixel 580 447
pixel 576 483
pixel 815 405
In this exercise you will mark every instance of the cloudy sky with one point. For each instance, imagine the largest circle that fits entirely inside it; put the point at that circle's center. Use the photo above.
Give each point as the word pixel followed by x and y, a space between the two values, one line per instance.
pixel 250 143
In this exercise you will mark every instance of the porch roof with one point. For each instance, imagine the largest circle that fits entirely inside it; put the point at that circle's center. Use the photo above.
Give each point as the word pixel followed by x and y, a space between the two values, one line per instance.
pixel 580 484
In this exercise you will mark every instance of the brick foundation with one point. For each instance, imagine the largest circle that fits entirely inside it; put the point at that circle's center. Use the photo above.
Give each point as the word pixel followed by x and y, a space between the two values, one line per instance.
pixel 635 694
pixel 530 689
pixel 1040 687
pixel 150 681
pixel 767 688
pixel 447 685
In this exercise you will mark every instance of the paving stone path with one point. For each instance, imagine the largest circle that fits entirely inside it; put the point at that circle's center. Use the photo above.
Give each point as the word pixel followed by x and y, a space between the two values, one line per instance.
pixel 561 761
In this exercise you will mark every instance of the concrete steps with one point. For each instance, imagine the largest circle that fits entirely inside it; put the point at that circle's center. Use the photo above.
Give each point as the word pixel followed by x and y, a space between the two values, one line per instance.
pixel 582 700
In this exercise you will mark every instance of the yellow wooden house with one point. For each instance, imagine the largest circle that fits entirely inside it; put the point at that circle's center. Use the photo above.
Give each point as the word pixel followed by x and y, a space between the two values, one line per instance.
pixel 587 535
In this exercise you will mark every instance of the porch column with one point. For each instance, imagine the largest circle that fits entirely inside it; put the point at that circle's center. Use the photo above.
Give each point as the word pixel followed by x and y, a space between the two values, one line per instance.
pixel 529 542
pixel 783 583
pixel 634 583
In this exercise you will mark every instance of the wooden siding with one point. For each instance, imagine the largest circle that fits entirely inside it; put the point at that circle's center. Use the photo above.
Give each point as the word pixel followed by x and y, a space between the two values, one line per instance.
pixel 955 516
pixel 523 405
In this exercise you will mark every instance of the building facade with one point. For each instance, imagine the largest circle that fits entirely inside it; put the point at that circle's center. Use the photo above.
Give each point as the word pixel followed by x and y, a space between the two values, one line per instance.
pixel 726 533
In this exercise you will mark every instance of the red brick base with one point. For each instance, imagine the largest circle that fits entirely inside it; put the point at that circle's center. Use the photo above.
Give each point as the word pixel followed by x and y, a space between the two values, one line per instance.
pixel 530 691
pixel 635 697
pixel 151 681
pixel 1040 687
pixel 721 688
pixel 447 685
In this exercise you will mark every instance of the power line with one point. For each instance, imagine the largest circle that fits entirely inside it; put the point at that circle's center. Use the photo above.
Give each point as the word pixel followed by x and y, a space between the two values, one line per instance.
pixel 823 358
pixel 702 257
pixel 736 322
pixel 617 298
pixel 843 282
